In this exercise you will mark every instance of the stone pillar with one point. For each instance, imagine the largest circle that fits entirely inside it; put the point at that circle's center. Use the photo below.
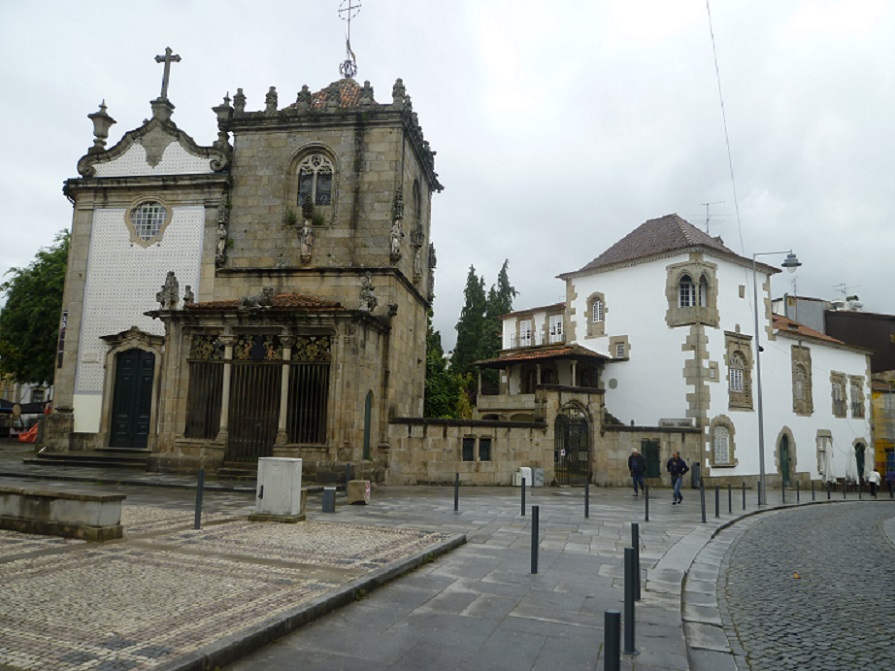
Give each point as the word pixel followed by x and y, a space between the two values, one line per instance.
pixel 480 381
pixel 539 373
pixel 574 372
pixel 282 436
pixel 228 341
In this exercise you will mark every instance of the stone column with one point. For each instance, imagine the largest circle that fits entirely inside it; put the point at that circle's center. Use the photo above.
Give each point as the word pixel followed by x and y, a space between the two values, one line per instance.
pixel 228 342
pixel 539 373
pixel 480 381
pixel 282 437
pixel 574 372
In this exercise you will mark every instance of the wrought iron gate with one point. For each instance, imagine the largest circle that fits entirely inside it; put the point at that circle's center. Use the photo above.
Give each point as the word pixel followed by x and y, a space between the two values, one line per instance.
pixel 571 447
pixel 254 410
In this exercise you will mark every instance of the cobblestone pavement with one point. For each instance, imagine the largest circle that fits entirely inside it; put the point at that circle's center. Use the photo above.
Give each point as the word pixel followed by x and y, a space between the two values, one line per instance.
pixel 811 588
pixel 168 593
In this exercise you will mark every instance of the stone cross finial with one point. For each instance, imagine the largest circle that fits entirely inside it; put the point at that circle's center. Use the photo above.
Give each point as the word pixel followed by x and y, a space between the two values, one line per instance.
pixel 167 59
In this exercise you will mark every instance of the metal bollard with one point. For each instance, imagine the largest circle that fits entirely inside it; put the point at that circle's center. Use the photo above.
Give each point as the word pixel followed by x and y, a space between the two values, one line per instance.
pixel 798 492
pixel 197 524
pixel 629 602
pixel 702 498
pixel 844 490
pixel 858 486
pixel 635 543
pixel 347 476
pixel 812 490
pixel 758 488
pixel 646 503
pixel 329 499
pixel 729 498
pixel 612 638
pixel 717 503
pixel 534 538
pixel 523 497
pixel 783 490
pixel 456 492
pixel 828 490
pixel 587 498
pixel 744 495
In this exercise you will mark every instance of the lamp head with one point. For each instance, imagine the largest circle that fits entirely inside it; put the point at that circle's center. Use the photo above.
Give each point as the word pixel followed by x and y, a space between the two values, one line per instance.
pixel 791 263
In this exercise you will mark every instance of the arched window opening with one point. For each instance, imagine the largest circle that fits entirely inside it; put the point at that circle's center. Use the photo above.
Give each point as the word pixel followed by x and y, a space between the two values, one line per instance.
pixel 315 180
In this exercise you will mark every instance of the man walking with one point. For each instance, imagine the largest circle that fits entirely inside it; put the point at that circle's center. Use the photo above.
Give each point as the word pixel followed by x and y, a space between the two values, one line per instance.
pixel 637 467
pixel 678 468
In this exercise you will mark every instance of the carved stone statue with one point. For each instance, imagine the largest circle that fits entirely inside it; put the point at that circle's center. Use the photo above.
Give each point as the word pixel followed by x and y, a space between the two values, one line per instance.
pixel 257 301
pixel 188 296
pixel 221 252
pixel 306 239
pixel 397 236
pixel 368 300
pixel 170 292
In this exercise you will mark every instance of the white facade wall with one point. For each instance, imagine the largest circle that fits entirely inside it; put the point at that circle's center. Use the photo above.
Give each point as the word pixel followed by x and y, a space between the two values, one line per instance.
pixel 175 160
pixel 650 385
pixel 122 283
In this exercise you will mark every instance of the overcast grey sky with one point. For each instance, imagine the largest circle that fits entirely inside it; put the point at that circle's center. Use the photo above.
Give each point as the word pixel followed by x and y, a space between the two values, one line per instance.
pixel 560 126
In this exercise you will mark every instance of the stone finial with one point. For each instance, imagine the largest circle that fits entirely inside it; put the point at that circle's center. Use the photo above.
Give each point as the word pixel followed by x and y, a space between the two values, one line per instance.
pixel 366 95
pixel 239 102
pixel 102 122
pixel 333 97
pixel 270 101
pixel 368 300
pixel 432 260
pixel 398 92
pixel 188 296
pixel 169 293
pixel 303 99
pixel 225 115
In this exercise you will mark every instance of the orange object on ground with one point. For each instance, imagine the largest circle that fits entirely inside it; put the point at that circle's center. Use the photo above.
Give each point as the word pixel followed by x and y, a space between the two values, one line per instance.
pixel 30 436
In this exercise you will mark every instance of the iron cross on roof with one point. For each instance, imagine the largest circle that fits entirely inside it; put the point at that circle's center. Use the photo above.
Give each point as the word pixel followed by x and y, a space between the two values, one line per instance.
pixel 167 59
pixel 347 11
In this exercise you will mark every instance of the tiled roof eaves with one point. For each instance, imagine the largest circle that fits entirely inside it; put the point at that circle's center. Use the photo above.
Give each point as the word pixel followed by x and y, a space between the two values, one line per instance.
pixel 730 256
pixel 802 332
pixel 540 354
pixel 556 307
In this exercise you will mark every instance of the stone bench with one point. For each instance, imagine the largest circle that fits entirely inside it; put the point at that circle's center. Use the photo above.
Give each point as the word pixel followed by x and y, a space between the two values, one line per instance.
pixel 70 514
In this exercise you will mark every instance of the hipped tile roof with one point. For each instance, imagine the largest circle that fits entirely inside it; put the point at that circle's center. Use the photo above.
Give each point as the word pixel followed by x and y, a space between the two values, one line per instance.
pixel 658 236
pixel 280 302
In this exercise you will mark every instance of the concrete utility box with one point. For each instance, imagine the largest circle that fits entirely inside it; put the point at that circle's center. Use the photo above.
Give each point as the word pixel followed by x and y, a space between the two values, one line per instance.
pixel 358 491
pixel 278 495
pixel 523 472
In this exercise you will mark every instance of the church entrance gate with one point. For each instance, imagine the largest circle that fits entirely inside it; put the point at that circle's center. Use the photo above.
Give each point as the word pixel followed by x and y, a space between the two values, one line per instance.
pixel 132 398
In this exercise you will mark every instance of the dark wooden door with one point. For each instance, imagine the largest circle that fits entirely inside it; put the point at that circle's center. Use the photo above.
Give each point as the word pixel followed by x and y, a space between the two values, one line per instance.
pixel 132 399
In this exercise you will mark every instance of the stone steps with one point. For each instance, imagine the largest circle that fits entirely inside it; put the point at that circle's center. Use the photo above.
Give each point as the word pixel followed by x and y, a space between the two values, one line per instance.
pixel 108 457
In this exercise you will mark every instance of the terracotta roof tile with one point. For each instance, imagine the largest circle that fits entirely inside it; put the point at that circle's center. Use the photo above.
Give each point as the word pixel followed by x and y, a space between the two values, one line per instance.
pixel 540 354
pixel 786 325
pixel 280 302
pixel 658 236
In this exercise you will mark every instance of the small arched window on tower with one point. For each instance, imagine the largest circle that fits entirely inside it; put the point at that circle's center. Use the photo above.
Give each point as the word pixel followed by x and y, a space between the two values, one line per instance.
pixel 315 180
pixel 686 294
pixel 703 291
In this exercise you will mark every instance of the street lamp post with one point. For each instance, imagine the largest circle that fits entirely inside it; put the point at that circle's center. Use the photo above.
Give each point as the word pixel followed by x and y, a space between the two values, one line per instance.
pixel 791 263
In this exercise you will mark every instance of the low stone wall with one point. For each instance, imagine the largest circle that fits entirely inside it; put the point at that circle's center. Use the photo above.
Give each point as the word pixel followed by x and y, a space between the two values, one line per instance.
pixel 430 451
pixel 84 515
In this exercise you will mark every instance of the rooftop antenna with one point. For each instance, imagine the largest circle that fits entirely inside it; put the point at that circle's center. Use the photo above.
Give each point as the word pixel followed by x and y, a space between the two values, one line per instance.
pixel 707 216
pixel 347 11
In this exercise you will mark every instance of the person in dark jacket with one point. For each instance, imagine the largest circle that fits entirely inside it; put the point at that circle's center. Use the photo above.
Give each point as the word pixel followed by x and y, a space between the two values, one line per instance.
pixel 637 467
pixel 678 468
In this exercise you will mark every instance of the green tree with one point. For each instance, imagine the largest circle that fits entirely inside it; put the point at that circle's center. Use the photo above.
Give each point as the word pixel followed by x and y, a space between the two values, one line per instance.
pixel 499 303
pixel 29 321
pixel 471 325
pixel 442 387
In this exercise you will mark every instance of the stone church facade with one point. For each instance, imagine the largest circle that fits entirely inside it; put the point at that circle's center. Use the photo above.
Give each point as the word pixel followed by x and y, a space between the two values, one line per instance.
pixel 263 296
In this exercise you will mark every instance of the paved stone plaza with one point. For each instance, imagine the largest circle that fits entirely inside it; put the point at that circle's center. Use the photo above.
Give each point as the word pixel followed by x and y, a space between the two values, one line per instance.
pixel 170 597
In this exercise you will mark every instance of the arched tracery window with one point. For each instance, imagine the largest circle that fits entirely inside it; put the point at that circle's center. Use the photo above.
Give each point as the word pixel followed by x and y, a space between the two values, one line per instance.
pixel 315 180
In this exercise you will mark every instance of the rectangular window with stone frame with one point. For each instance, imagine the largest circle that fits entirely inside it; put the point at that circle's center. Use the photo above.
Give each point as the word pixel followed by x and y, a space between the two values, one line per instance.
pixel 837 392
pixel 802 393
pixel 738 357
pixel 723 448
pixel 856 389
